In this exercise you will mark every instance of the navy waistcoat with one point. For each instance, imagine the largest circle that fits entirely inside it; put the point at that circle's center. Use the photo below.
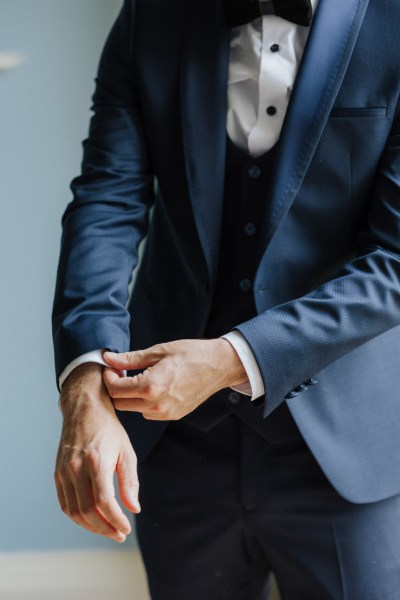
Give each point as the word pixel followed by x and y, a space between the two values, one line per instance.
pixel 245 202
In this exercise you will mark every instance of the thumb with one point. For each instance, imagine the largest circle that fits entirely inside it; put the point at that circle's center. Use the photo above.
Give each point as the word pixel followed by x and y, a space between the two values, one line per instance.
pixel 128 480
pixel 109 377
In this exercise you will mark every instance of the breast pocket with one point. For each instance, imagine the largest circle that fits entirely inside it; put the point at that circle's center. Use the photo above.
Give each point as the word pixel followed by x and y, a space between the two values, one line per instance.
pixel 370 112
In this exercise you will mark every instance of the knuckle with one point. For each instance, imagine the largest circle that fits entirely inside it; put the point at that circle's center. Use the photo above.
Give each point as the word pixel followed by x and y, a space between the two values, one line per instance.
pixel 111 389
pixel 74 513
pixel 131 461
pixel 74 466
pixel 160 349
pixel 165 409
pixel 133 484
pixel 103 502
pixel 133 357
pixel 155 389
pixel 86 511
pixel 93 460
pixel 114 387
pixel 147 388
pixel 62 473
pixel 155 409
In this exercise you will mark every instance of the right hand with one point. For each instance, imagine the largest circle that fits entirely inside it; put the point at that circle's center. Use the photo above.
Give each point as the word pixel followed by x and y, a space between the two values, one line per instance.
pixel 93 446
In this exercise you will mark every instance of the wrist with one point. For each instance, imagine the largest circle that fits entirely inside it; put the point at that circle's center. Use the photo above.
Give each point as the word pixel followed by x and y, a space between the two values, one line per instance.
pixel 232 366
pixel 83 389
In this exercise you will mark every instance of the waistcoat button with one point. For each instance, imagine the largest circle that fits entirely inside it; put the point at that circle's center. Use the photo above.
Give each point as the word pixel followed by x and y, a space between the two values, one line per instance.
pixel 234 398
pixel 245 285
pixel 250 229
pixel 254 172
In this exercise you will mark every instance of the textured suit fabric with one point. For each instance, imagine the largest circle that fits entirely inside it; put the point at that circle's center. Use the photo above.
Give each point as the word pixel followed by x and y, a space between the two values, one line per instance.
pixel 327 286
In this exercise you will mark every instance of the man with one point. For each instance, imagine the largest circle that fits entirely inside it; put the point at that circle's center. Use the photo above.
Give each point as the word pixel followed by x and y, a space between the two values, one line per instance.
pixel 276 225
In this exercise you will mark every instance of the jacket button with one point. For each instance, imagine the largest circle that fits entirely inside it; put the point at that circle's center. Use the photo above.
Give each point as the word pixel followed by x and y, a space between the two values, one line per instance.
pixel 311 381
pixel 245 285
pixel 291 394
pixel 300 388
pixel 234 398
pixel 254 172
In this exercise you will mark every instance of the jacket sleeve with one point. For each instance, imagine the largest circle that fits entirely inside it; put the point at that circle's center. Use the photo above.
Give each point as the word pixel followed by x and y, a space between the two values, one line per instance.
pixel 109 213
pixel 293 341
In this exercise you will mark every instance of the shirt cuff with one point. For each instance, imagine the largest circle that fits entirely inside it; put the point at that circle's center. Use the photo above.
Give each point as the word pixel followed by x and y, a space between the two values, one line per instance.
pixel 254 387
pixel 95 356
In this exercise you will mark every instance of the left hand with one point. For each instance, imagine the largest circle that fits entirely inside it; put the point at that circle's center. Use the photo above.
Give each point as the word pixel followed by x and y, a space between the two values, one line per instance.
pixel 178 377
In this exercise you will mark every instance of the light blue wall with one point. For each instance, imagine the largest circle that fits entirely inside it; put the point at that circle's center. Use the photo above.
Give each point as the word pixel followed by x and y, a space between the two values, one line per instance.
pixel 43 118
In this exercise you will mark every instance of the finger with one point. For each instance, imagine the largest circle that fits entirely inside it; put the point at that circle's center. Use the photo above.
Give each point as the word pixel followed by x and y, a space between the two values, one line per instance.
pixel 138 386
pixel 72 512
pixel 97 520
pixel 134 405
pixel 71 505
pixel 160 417
pixel 128 361
pixel 60 494
pixel 80 502
pixel 128 481
pixel 109 377
pixel 106 503
pixel 151 411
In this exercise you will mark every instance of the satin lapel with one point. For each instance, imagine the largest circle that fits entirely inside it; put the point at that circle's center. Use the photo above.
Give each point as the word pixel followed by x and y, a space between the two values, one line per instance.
pixel 331 42
pixel 204 71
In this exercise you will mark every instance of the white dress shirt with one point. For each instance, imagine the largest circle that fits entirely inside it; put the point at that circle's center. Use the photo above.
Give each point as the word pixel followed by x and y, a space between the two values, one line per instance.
pixel 263 63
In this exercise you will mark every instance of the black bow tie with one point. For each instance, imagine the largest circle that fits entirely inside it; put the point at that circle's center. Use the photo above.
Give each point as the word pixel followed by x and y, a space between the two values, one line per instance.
pixel 240 12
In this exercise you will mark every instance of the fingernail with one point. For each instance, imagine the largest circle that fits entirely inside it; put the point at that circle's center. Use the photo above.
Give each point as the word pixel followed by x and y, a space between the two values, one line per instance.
pixel 135 504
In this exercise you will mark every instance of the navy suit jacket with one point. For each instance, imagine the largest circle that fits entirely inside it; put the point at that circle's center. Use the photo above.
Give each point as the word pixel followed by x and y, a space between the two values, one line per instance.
pixel 327 288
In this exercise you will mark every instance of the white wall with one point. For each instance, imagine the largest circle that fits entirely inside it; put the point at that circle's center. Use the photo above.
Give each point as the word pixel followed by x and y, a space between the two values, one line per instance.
pixel 44 111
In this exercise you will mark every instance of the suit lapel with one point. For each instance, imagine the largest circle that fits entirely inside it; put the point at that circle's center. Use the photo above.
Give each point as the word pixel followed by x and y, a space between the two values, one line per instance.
pixel 204 71
pixel 331 42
